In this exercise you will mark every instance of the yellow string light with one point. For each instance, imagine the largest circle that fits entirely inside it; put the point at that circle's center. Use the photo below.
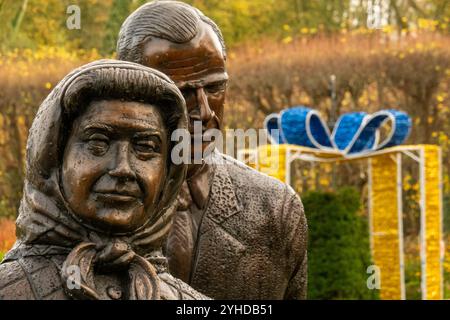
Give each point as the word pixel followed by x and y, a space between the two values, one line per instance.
pixel 433 234
pixel 385 231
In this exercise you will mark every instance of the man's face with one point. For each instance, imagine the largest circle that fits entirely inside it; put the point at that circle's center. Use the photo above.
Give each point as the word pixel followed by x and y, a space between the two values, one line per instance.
pixel 114 164
pixel 198 69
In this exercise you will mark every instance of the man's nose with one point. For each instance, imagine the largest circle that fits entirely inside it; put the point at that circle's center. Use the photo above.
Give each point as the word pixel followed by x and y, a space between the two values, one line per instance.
pixel 122 168
pixel 206 113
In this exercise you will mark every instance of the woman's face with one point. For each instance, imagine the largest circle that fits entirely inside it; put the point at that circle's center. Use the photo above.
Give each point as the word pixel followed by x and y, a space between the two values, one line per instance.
pixel 114 164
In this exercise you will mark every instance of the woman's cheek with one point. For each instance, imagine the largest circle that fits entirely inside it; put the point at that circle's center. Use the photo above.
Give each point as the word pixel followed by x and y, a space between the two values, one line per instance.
pixel 152 174
pixel 81 170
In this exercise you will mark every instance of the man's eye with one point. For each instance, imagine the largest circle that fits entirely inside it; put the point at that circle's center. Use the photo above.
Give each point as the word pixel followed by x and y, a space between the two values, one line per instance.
pixel 216 88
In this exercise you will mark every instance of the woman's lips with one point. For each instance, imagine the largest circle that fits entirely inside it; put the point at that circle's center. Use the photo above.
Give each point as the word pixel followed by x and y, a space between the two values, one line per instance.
pixel 115 197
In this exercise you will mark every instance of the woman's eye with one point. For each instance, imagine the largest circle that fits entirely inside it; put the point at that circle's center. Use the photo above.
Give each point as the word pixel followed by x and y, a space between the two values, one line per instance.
pixel 146 147
pixel 98 144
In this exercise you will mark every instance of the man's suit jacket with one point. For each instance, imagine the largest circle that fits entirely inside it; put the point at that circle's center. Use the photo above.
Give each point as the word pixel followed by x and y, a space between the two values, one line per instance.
pixel 252 241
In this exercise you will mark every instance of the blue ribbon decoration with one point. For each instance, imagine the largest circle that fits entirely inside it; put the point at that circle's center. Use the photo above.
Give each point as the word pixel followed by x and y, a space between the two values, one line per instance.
pixel 354 133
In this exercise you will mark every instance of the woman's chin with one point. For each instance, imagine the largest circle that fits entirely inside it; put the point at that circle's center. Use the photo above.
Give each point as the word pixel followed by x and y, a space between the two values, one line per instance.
pixel 113 220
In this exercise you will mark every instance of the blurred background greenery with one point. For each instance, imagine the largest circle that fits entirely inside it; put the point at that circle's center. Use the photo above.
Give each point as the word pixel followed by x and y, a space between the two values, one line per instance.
pixel 281 53
pixel 339 249
pixel 30 23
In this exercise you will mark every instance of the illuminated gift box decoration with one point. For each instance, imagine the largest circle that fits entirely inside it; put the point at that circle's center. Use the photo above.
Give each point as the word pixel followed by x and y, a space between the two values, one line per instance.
pixel 354 133
pixel 300 133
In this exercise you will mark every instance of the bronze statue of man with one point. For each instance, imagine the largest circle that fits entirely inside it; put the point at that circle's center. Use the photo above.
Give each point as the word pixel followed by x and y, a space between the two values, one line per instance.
pixel 100 189
pixel 237 233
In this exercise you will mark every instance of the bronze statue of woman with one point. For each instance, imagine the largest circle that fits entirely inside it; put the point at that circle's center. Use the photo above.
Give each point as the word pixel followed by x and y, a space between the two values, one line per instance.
pixel 99 192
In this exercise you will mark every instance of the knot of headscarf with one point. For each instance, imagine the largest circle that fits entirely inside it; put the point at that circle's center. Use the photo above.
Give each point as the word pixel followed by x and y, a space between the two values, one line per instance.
pixel 79 277
pixel 44 229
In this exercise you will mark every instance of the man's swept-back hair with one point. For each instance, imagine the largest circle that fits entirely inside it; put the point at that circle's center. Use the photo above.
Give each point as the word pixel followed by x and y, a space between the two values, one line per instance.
pixel 173 21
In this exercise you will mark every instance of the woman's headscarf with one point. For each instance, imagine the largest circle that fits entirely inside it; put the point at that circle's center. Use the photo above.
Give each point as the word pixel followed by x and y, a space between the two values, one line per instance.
pixel 47 226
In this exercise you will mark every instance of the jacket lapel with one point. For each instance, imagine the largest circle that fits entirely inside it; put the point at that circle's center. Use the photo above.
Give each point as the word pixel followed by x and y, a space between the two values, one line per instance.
pixel 223 202
pixel 218 248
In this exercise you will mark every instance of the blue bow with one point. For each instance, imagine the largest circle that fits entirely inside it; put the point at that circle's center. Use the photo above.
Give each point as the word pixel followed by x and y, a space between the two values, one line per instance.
pixel 356 132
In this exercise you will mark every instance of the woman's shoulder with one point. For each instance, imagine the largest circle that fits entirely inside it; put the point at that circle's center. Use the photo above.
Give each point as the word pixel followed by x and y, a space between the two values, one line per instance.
pixel 14 283
pixel 30 278
pixel 172 288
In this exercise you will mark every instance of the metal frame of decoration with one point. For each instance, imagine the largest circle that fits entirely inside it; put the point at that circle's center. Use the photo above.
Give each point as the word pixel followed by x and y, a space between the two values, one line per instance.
pixel 416 153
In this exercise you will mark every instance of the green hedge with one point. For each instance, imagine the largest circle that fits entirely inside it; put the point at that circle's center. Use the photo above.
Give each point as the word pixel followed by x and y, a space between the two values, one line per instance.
pixel 338 248
pixel 446 210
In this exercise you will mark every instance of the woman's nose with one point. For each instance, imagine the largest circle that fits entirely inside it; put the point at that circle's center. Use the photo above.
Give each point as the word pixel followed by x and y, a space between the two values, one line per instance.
pixel 206 113
pixel 122 168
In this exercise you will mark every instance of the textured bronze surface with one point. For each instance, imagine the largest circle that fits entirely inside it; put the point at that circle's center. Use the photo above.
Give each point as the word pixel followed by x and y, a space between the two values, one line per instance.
pixel 100 189
pixel 237 234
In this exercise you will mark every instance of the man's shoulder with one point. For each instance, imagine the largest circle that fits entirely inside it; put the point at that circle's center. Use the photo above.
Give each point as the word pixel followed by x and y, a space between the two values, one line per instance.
pixel 175 289
pixel 252 182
